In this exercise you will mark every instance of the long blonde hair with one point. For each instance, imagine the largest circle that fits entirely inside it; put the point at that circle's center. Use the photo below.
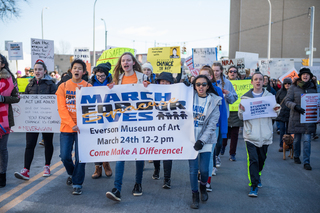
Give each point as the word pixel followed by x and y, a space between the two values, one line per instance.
pixel 221 75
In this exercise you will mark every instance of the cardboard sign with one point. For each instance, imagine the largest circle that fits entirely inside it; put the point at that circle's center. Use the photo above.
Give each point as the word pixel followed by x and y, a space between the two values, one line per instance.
pixel 131 122
pixel 204 56
pixel 241 87
pixel 311 103
pixel 290 74
pixel 259 107
pixel 82 53
pixel 42 50
pixel 22 83
pixel 165 59
pixel 15 51
pixel 238 62
pixel 276 68
pixel 112 56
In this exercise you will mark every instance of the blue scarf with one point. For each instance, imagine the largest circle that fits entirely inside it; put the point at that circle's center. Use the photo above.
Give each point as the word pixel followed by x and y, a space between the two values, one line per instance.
pixel 98 83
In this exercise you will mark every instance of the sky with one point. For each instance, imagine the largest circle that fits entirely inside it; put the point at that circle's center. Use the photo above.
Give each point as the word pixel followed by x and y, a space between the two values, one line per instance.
pixel 135 24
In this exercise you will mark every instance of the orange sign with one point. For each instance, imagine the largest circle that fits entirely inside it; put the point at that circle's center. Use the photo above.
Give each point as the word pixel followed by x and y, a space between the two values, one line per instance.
pixel 291 74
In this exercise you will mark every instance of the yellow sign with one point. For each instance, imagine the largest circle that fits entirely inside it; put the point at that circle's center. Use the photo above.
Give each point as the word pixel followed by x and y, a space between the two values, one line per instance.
pixel 112 56
pixel 241 87
pixel 165 59
pixel 22 83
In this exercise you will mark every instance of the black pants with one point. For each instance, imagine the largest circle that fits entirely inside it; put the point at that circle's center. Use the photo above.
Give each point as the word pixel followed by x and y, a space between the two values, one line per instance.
pixel 257 156
pixel 167 166
pixel 31 139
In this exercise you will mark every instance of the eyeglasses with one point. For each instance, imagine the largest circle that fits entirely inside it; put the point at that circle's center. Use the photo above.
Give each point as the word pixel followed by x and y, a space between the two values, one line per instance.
pixel 201 84
pixel 101 76
pixel 232 71
pixel 287 83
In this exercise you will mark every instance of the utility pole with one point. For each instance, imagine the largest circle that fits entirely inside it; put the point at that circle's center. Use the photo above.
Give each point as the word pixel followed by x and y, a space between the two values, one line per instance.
pixel 312 10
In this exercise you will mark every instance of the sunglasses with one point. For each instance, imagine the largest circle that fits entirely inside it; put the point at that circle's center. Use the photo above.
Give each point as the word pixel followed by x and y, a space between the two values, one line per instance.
pixel 201 84
pixel 232 71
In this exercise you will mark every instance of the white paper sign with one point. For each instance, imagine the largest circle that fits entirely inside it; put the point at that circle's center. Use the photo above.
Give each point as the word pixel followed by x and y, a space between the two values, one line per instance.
pixel 239 63
pixel 42 50
pixel 259 107
pixel 15 51
pixel 36 113
pixel 204 56
pixel 251 59
pixel 132 122
pixel 276 68
pixel 82 53
pixel 311 103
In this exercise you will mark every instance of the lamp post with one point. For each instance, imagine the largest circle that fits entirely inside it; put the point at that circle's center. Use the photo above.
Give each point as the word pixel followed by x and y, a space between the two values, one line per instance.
pixel 94 32
pixel 105 35
pixel 269 36
pixel 42 20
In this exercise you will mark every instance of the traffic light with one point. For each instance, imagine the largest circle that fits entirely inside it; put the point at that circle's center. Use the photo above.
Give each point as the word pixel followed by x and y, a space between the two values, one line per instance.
pixel 305 62
pixel 219 48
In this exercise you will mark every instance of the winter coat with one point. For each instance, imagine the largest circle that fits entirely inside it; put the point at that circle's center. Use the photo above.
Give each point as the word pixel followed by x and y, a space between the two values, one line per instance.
pixel 43 86
pixel 232 96
pixel 223 119
pixel 95 82
pixel 292 99
pixel 257 131
pixel 141 77
pixel 234 120
pixel 285 111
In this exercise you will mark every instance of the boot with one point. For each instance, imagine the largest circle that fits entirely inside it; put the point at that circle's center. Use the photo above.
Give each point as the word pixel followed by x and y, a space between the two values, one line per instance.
pixel 107 169
pixel 195 200
pixel 3 180
pixel 97 173
pixel 203 191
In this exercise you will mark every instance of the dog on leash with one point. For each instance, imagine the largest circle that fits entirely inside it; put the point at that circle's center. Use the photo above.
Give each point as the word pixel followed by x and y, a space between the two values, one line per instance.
pixel 287 144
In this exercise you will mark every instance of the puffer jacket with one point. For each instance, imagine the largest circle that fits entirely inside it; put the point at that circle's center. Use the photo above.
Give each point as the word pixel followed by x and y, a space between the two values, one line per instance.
pixel 285 111
pixel 43 86
pixel 292 99
pixel 257 131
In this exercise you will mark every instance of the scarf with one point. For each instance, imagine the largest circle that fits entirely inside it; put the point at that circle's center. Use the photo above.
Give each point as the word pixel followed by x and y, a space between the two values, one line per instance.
pixel 304 85
pixel 97 83
pixel 6 87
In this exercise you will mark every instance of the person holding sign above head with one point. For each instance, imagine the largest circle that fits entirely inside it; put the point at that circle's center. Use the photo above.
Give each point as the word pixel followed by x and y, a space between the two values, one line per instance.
pixel 206 102
pixel 147 69
pixel 41 84
pixel 127 71
pixel 257 134
pixel 302 131
pixel 66 98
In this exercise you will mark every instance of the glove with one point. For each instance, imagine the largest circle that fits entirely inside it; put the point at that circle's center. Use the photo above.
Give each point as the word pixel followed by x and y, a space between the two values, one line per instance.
pixel 186 82
pixel 299 109
pixel 1 99
pixel 198 145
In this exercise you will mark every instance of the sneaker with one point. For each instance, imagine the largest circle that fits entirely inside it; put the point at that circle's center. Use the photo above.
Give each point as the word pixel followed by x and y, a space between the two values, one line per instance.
pixel 46 172
pixel 307 166
pixel 315 137
pixel 156 175
pixel 208 186
pixel 281 149
pixel 24 174
pixel 214 171
pixel 69 181
pixel 137 189
pixel 77 191
pixel 259 184
pixel 41 142
pixel 167 184
pixel 218 161
pixel 232 158
pixel 253 192
pixel 114 195
pixel 297 160
pixel 223 149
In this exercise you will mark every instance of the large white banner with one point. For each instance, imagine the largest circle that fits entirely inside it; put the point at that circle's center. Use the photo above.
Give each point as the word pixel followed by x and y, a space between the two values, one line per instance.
pixel 42 50
pixel 204 56
pixel 36 113
pixel 82 53
pixel 259 107
pixel 276 68
pixel 131 122
pixel 15 51
pixel 311 103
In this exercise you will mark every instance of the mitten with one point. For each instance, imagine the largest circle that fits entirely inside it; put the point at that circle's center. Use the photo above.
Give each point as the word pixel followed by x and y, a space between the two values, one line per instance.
pixel 198 145
pixel 299 109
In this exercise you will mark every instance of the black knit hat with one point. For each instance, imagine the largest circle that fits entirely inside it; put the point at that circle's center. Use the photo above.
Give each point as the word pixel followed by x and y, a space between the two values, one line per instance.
pixel 165 76
pixel 106 67
pixel 287 81
pixel 305 70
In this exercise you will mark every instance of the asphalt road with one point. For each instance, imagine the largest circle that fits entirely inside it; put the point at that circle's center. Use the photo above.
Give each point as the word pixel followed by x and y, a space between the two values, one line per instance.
pixel 287 187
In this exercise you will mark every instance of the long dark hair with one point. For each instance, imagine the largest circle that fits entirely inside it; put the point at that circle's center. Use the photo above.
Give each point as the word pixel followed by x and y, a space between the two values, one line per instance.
pixel 6 66
pixel 210 89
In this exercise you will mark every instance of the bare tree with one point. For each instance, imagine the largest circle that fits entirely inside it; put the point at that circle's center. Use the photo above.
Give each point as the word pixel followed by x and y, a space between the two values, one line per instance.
pixel 64 47
pixel 9 8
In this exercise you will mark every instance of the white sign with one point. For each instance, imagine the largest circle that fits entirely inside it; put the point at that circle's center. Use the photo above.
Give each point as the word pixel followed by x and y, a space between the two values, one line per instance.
pixel 36 113
pixel 238 62
pixel 15 51
pixel 204 56
pixel 251 59
pixel 82 53
pixel 276 68
pixel 131 122
pixel 259 107
pixel 42 50
pixel 311 103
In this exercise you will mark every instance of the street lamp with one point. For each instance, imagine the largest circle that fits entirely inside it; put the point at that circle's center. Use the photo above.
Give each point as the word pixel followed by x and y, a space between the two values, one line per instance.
pixel 105 35
pixel 269 36
pixel 94 32
pixel 42 20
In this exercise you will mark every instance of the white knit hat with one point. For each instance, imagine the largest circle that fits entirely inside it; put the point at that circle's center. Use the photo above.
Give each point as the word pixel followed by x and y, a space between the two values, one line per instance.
pixel 147 65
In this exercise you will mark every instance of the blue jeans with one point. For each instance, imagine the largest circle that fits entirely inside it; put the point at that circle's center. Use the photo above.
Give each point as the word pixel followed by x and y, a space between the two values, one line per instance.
pixel 4 153
pixel 119 173
pixel 77 170
pixel 212 154
pixel 204 170
pixel 283 126
pixel 306 139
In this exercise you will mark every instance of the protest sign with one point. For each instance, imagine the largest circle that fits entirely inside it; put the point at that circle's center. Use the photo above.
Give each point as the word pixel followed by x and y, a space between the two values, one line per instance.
pixel 22 83
pixel 204 56
pixel 241 87
pixel 251 60
pixel 82 53
pixel 150 123
pixel 189 63
pixel 36 113
pixel 15 51
pixel 290 74
pixel 259 107
pixel 276 68
pixel 112 56
pixel 311 103
pixel 42 50
pixel 238 62
pixel 164 59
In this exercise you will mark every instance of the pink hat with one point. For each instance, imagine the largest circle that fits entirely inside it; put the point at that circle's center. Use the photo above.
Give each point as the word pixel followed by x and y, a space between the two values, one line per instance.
pixel 18 72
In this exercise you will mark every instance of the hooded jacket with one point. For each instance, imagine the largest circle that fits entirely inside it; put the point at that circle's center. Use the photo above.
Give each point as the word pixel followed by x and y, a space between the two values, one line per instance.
pixel 223 119
pixel 43 86
pixel 232 96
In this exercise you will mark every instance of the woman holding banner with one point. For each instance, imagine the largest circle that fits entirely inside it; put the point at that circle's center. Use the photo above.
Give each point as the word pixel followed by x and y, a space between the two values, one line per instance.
pixel 206 102
pixel 8 94
pixel 41 84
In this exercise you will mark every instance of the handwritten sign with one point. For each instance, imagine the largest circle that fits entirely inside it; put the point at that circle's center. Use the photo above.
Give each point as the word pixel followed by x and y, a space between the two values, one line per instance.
pixel 42 50
pixel 290 74
pixel 15 51
pixel 165 59
pixel 259 107
pixel 276 68
pixel 238 62
pixel 204 56
pixel 241 87
pixel 82 53
pixel 311 103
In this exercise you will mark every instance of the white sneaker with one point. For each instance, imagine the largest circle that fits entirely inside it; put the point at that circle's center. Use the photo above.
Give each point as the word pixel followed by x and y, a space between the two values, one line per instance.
pixel 218 161
pixel 214 171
